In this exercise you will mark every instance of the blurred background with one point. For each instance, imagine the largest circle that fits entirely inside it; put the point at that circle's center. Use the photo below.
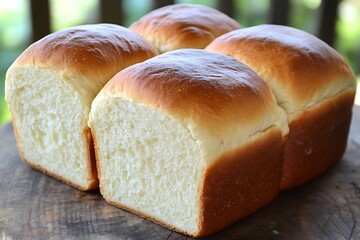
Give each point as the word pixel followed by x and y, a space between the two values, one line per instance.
pixel 337 22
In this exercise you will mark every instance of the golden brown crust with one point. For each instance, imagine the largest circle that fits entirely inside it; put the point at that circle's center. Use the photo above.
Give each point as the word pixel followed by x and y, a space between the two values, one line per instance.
pixel 206 88
pixel 317 139
pixel 300 68
pixel 183 26
pixel 241 181
pixel 92 53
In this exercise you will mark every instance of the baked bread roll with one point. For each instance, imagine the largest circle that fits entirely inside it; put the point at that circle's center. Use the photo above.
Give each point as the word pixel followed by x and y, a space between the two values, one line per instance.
pixel 183 26
pixel 191 140
pixel 311 82
pixel 49 90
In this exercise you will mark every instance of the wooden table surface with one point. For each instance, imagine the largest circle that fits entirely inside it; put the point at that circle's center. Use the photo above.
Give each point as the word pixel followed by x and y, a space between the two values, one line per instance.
pixel 35 206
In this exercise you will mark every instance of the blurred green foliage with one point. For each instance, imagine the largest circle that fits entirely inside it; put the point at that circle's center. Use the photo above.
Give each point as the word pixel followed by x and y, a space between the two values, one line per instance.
pixel 15 29
pixel 14 38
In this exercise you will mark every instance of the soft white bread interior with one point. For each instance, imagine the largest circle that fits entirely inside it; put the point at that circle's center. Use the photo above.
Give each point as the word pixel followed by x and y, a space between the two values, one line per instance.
pixel 49 90
pixel 191 139
pixel 183 26
pixel 311 82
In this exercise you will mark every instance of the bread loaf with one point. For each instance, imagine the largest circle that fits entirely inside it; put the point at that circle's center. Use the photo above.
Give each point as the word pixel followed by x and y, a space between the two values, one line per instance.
pixel 49 90
pixel 311 82
pixel 183 26
pixel 189 139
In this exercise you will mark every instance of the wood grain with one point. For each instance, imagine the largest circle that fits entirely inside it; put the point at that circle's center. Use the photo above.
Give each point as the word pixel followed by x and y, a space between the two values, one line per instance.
pixel 34 206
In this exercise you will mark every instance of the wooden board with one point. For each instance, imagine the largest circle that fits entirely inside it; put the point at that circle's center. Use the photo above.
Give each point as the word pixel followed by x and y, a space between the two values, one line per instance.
pixel 34 206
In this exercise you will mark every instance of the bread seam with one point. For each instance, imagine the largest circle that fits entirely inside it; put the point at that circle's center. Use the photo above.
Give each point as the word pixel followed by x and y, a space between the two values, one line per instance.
pixel 293 115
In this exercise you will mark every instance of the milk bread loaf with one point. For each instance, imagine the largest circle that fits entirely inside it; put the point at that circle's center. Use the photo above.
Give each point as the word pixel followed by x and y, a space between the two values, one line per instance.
pixel 311 82
pixel 183 26
pixel 49 90
pixel 192 140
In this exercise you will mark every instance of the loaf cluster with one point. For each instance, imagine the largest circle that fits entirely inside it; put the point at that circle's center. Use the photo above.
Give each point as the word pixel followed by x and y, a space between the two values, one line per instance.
pixel 191 138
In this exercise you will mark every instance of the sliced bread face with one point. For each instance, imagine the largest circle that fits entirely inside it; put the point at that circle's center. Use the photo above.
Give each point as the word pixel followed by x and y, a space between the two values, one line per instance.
pixel 148 163
pixel 51 126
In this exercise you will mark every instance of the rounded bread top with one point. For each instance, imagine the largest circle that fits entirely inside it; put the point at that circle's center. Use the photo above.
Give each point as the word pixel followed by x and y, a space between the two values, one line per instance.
pixel 183 26
pixel 300 68
pixel 202 89
pixel 87 56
